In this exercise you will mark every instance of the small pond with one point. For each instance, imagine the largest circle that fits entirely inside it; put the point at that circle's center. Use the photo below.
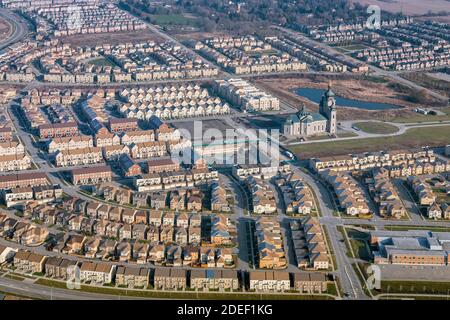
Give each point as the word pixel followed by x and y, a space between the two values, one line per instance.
pixel 316 94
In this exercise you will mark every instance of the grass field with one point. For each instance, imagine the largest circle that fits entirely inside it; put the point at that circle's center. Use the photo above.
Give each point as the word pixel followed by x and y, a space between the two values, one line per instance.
pixel 417 117
pixel 101 62
pixel 426 287
pixel 360 248
pixel 376 127
pixel 405 228
pixel 347 134
pixel 172 19
pixel 415 137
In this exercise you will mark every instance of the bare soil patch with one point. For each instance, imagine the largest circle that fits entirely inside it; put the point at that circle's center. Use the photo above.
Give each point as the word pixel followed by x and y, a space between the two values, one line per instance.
pixel 408 7
pixel 5 29
pixel 352 88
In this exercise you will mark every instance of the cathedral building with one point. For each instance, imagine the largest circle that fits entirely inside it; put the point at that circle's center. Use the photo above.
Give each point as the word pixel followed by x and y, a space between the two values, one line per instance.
pixel 306 124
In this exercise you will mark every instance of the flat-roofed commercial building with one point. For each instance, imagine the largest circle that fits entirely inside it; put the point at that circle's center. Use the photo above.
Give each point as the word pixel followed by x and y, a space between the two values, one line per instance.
pixel 413 247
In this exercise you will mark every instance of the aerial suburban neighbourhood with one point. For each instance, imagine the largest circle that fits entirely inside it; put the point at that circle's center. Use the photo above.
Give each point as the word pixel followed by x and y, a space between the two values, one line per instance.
pixel 179 150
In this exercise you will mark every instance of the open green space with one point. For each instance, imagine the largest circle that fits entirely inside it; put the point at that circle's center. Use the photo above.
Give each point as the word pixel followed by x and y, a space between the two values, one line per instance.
pixel 360 248
pixel 417 117
pixel 347 134
pixel 101 62
pixel 405 228
pixel 376 127
pixel 172 19
pixel 14 277
pixel 414 137
pixel 418 287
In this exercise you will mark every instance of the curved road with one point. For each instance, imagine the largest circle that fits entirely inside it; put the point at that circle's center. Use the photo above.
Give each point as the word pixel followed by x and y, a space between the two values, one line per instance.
pixel 348 125
pixel 19 29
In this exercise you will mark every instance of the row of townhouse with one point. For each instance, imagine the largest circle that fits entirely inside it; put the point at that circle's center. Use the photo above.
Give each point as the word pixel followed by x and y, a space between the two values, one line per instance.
pixel 191 256
pixel 370 160
pixel 427 197
pixel 423 190
pixel 234 55
pixel 53 96
pixel 309 244
pixel 99 273
pixel 259 171
pixel 15 162
pixel 190 110
pixel 248 97
pixel 281 281
pixel 6 135
pixel 408 57
pixel 91 175
pixel 79 157
pixel 165 245
pixel 93 155
pixel 174 179
pixel 70 143
pixel 142 248
pixel 297 196
pixel 271 254
pixel 54 130
pixel 263 195
pixel 10 146
pixel 94 19
pixel 171 61
pixel 21 232
pixel 385 194
pixel 142 150
pixel 174 102
pixel 37 4
pixel 23 195
pixel 349 194
pixel 19 180
pixel 221 198
pixel 309 53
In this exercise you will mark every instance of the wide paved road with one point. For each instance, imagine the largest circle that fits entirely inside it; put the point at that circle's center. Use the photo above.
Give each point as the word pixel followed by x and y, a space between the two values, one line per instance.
pixel 18 28
pixel 38 291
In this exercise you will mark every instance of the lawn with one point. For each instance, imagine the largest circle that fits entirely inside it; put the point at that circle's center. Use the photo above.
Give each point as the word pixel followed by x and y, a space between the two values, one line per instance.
pixel 427 287
pixel 414 137
pixel 347 134
pixel 405 228
pixel 360 249
pixel 101 62
pixel 376 127
pixel 172 19
pixel 417 117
